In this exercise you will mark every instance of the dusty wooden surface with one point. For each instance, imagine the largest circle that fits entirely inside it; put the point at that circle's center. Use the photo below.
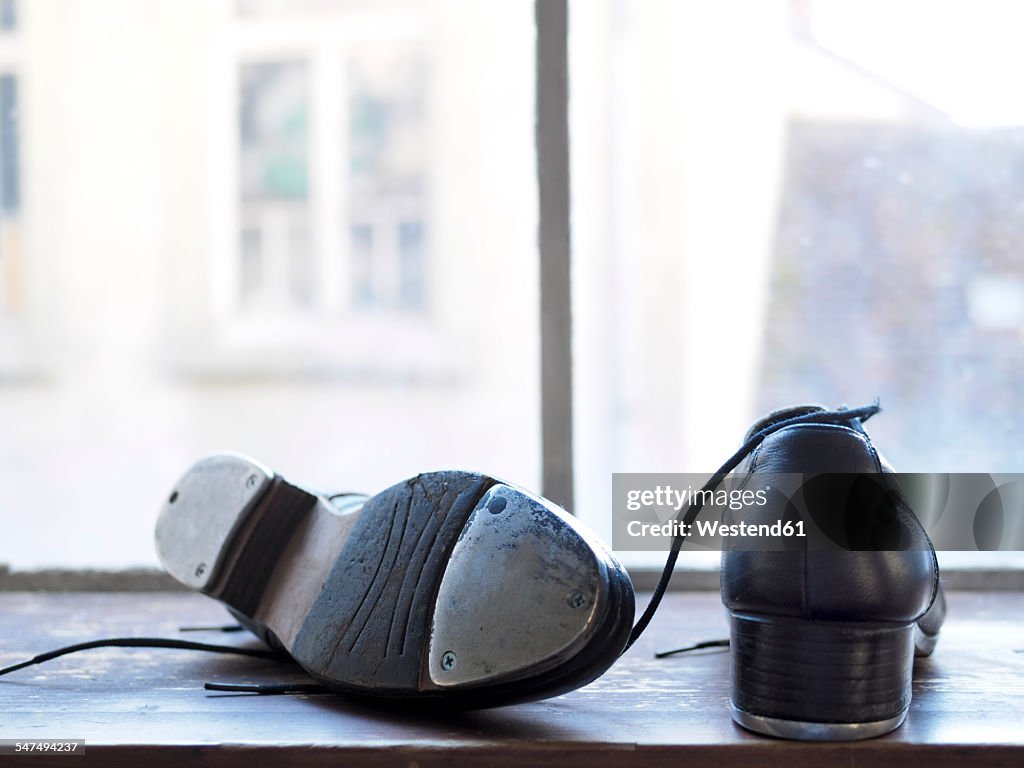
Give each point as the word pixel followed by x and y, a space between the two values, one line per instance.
pixel 136 707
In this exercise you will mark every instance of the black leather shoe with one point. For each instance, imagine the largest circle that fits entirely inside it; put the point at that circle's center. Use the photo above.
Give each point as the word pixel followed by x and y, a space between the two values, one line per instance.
pixel 450 587
pixel 823 642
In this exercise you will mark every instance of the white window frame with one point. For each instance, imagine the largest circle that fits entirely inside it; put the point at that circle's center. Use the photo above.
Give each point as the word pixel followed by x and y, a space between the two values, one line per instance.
pixel 334 329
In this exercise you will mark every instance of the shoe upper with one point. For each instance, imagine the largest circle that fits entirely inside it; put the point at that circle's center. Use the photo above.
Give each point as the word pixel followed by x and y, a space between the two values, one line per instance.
pixel 883 585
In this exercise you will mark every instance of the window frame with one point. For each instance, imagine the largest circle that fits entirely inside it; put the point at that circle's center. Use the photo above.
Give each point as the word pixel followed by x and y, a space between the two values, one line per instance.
pixel 257 41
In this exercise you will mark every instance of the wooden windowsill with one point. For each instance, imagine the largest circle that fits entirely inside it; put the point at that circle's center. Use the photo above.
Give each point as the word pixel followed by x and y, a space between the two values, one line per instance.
pixel 148 707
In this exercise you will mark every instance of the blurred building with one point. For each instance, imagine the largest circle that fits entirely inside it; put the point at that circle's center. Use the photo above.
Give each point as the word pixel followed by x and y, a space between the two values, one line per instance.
pixel 781 201
pixel 305 231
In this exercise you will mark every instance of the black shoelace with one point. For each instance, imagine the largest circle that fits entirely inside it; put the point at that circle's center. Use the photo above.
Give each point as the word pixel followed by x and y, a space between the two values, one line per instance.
pixel 188 645
pixel 142 642
pixel 701 646
pixel 686 518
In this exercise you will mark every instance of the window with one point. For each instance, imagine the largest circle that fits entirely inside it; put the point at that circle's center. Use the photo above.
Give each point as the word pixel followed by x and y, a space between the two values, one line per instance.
pixel 334 167
pixel 388 173
pixel 808 201
pixel 267 227
pixel 9 190
pixel 276 272
pixel 8 14
pixel 307 231
pixel 11 280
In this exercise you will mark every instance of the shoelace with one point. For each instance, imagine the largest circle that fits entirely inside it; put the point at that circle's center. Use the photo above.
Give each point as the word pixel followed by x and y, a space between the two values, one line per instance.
pixel 703 645
pixel 838 416
pixel 143 642
pixel 188 645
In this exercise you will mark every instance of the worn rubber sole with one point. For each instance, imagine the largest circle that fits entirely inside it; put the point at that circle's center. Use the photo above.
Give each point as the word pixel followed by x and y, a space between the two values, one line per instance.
pixel 451 587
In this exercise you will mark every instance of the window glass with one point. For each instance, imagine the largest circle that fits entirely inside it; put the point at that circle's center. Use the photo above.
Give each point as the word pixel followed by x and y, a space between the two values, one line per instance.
pixel 9 172
pixel 363 282
pixel 274 163
pixel 817 204
pixel 11 282
pixel 8 14
pixel 411 287
pixel 274 120
pixel 388 172
pixel 266 227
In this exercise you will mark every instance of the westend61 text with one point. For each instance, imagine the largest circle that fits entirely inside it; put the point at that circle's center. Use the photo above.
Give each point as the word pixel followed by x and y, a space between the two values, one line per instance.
pixel 672 528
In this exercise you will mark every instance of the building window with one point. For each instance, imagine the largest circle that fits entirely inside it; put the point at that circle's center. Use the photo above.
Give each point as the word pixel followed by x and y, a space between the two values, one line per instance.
pixel 276 273
pixel 387 172
pixel 11 266
pixel 333 171
pixel 237 235
pixel 8 15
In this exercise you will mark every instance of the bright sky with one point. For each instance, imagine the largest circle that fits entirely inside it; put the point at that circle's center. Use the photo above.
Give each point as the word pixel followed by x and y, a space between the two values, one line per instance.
pixel 963 57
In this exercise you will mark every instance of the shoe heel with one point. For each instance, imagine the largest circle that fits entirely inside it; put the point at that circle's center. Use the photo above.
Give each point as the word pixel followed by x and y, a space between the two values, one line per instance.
pixel 819 680
pixel 224 526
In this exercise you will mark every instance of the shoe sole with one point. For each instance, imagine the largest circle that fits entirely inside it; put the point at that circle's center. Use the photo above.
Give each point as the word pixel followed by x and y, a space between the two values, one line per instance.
pixel 814 731
pixel 450 586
